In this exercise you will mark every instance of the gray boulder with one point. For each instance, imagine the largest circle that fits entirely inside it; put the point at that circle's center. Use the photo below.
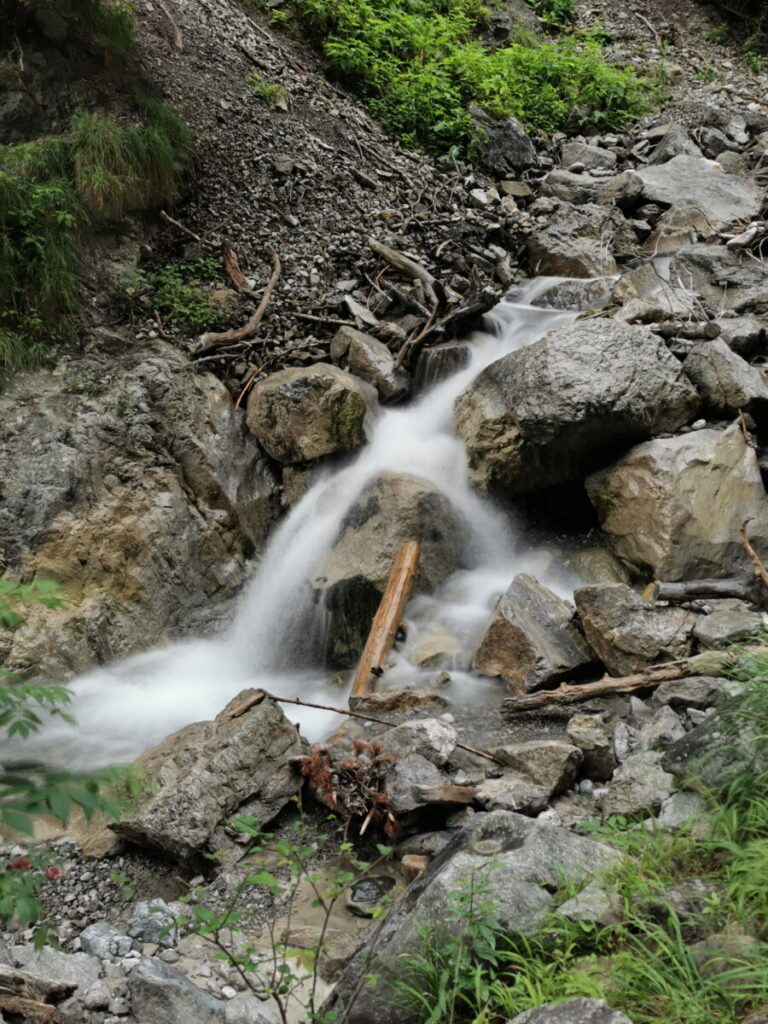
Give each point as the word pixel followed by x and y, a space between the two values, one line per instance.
pixel 428 737
pixel 672 507
pixel 724 748
pixel 745 335
pixel 153 921
pixel 570 187
pixel 552 411
pixel 573 1011
pixel 532 639
pixel 675 142
pixel 80 969
pixel 639 785
pixel 730 622
pixel 549 763
pixel 589 734
pixel 514 856
pixel 722 198
pixel 513 791
pixel 578 241
pixel 302 413
pixel 503 147
pixel 161 993
pixel 371 361
pixel 627 633
pixel 405 779
pixel 662 731
pixel 719 277
pixel 104 941
pixel 623 190
pixel 693 692
pixel 205 772
pixel 584 153
pixel 726 382
pixel 391 510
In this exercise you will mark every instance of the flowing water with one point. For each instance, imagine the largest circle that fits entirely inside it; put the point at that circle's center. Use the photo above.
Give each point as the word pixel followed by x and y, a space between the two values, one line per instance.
pixel 125 708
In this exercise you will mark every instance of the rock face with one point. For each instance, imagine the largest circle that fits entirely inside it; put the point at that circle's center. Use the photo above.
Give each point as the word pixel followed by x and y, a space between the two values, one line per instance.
pixel 132 483
pixel 302 414
pixel 726 382
pixel 391 510
pixel 629 634
pixel 673 506
pixel 516 857
pixel 550 412
pixel 722 198
pixel 532 639
pixel 577 241
pixel 204 773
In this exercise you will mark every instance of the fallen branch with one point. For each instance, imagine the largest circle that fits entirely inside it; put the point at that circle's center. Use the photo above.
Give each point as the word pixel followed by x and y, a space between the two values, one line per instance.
pixel 743 587
pixel 709 663
pixel 760 571
pixel 406 266
pixel 260 695
pixel 214 339
pixel 190 234
pixel 232 267
pixel 697 331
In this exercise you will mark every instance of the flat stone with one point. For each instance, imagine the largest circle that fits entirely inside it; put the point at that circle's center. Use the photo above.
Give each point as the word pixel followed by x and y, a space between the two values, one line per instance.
pixel 586 154
pixel 549 763
pixel 723 198
pixel 428 737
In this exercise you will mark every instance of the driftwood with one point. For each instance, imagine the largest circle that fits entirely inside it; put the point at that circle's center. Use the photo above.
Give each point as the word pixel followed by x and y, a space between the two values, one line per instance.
pixel 185 231
pixel 709 663
pixel 386 621
pixel 744 587
pixel 700 331
pixel 232 267
pixel 214 339
pixel 260 695
pixel 760 570
pixel 406 266
pixel 20 983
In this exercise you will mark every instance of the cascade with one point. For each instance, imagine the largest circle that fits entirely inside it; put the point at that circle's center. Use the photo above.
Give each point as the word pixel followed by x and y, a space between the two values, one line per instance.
pixel 124 708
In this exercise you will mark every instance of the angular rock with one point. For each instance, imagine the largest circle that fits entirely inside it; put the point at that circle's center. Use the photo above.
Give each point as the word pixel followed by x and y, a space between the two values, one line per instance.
pixel 662 731
pixel 569 187
pixel 686 810
pixel 624 190
pixel 693 692
pixel 436 648
pixel 649 284
pixel 722 198
pixel 404 780
pixel 153 921
pixel 593 904
pixel 675 142
pixel 745 335
pixel 726 382
pixel 161 993
pixel 371 361
pixel 638 786
pixel 78 968
pixel 549 763
pixel 303 413
pixel 517 858
pixel 392 509
pixel 730 622
pixel 549 412
pixel 627 633
pixel 532 639
pixel 503 147
pixel 104 941
pixel 673 507
pixel 576 241
pixel 583 153
pixel 428 737
pixel 681 225
pixel 589 734
pixel 513 792
pixel 203 773
pixel 719 277
pixel 573 1011
pixel 721 750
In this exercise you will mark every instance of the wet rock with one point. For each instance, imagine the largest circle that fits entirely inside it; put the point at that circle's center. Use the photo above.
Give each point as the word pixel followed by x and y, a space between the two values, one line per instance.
pixel 503 147
pixel 532 639
pixel 627 633
pixel 726 382
pixel 516 856
pixel 428 737
pixel 391 510
pixel 584 153
pixel 364 897
pixel 639 785
pixel 551 411
pixel 675 142
pixel 371 361
pixel 662 731
pixel 549 763
pixel 301 414
pixel 722 198
pixel 589 734
pixel 673 507
pixel 573 1011
pixel 730 622
pixel 204 773
pixel 142 495
pixel 693 692
pixel 576 241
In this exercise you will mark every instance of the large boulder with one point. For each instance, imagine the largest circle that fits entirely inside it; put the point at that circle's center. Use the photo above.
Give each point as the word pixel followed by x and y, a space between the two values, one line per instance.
pixel 303 413
pixel 578 241
pixel 726 382
pixel 532 639
pixel 503 147
pixel 673 507
pixel 552 411
pixel 133 484
pixel 519 860
pixel 391 510
pixel 716 277
pixel 629 634
pixel 638 787
pixel 204 773
pixel 722 198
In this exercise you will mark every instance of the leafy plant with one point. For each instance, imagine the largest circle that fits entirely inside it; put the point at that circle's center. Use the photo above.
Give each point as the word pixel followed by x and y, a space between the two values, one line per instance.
pixel 272 93
pixel 557 12
pixel 719 35
pixel 177 292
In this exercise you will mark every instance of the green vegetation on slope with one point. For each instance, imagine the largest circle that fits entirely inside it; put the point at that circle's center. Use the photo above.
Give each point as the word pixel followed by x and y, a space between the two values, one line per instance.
pixel 419 63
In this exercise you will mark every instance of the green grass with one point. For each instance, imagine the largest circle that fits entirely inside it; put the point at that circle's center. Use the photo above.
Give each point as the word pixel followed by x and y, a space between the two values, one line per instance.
pixel 50 191
pixel 419 63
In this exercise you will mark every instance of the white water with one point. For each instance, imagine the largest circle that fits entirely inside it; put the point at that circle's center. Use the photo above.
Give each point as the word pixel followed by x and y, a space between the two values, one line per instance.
pixel 125 708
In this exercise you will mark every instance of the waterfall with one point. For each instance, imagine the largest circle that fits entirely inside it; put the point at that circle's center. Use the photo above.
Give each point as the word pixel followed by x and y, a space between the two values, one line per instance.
pixel 124 708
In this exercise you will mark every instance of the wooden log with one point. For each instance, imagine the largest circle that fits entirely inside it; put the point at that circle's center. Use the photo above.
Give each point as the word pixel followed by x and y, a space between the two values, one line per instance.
pixel 743 587
pixel 710 663
pixel 699 331
pixel 461 795
pixel 386 622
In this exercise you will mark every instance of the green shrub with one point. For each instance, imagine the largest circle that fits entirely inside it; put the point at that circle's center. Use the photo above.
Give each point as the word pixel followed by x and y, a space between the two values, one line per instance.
pixel 177 292
pixel 50 190
pixel 419 63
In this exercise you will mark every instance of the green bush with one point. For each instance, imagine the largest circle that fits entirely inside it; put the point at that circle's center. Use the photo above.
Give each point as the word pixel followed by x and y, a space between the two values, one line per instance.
pixel 50 190
pixel 420 63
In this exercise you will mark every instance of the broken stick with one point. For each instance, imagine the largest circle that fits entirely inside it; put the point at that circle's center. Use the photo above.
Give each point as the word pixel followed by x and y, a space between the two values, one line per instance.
pixel 760 570
pixel 214 339
pixel 386 622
